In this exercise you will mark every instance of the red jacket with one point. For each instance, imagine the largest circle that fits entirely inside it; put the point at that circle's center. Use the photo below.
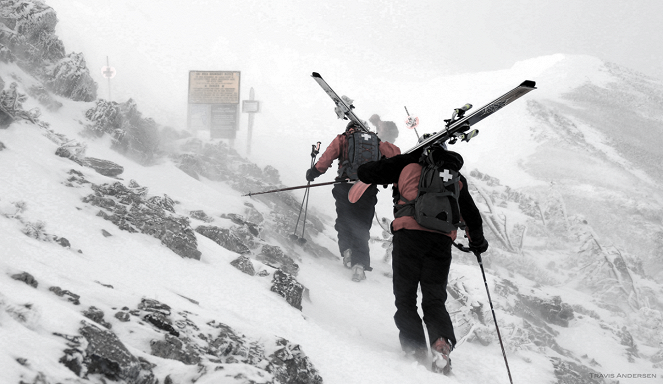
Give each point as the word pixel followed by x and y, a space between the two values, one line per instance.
pixel 338 149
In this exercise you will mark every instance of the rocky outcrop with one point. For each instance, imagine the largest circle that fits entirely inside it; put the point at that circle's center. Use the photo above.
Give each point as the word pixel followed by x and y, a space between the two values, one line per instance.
pixel 131 210
pixel 101 352
pixel 224 237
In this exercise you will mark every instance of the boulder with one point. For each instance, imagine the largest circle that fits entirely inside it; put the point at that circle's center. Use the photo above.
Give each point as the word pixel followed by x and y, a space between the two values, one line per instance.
pixel 104 167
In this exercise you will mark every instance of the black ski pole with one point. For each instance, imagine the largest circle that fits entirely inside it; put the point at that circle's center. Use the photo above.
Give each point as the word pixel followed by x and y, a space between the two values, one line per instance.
pixel 315 149
pixel 485 282
pixel 309 185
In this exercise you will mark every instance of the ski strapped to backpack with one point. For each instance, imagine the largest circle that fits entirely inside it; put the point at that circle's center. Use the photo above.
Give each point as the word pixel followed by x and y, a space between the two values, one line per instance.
pixel 436 205
pixel 363 147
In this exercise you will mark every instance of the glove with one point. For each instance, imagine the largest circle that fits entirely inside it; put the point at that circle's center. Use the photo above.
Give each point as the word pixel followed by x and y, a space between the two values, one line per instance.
pixel 479 245
pixel 312 173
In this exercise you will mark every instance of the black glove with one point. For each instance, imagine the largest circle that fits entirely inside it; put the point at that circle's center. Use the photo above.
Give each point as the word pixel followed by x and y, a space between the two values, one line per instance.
pixel 479 245
pixel 312 173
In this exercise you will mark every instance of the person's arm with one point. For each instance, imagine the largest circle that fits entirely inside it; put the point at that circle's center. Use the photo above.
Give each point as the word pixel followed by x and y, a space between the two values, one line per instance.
pixel 332 153
pixel 385 171
pixel 472 217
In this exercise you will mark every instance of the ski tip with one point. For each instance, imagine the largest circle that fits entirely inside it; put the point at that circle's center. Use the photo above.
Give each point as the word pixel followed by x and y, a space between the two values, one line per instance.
pixel 316 74
pixel 528 84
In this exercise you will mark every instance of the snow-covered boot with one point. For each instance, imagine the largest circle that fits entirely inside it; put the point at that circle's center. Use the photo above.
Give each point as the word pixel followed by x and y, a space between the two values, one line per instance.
pixel 358 273
pixel 441 361
pixel 347 258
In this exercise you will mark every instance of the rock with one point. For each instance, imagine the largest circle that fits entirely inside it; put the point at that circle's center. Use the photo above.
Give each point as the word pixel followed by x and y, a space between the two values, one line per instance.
pixel 105 233
pixel 26 278
pixel 62 241
pixel 274 257
pixel 286 286
pixel 150 305
pixel 289 364
pixel 96 315
pixel 74 298
pixel 122 316
pixel 224 237
pixel 173 348
pixel 104 167
pixel 160 321
pixel 244 264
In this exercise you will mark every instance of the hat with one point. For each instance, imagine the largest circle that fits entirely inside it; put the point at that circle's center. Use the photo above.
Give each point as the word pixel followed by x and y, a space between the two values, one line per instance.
pixel 352 124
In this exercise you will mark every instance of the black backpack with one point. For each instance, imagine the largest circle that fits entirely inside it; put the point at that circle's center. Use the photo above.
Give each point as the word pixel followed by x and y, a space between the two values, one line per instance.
pixel 436 205
pixel 363 147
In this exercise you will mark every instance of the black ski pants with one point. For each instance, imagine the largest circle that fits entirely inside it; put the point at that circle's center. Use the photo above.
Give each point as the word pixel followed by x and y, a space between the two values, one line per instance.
pixel 421 258
pixel 353 222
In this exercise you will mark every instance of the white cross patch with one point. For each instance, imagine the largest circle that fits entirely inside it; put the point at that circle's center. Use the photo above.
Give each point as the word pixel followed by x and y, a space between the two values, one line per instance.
pixel 366 136
pixel 446 176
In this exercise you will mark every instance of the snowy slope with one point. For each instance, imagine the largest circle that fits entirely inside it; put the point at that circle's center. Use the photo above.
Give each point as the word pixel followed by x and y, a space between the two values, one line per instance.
pixel 551 145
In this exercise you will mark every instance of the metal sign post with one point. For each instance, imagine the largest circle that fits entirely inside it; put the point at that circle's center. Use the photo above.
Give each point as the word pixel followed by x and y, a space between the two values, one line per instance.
pixel 108 72
pixel 250 106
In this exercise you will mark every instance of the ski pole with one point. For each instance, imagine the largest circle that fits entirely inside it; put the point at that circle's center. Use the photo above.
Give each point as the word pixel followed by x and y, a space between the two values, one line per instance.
pixel 297 187
pixel 315 149
pixel 485 282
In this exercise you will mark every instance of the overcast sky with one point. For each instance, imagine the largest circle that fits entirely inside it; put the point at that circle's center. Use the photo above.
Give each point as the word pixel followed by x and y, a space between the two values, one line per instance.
pixel 278 43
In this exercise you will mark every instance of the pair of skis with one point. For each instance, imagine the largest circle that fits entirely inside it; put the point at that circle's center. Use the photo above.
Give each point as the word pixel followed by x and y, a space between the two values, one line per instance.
pixel 456 128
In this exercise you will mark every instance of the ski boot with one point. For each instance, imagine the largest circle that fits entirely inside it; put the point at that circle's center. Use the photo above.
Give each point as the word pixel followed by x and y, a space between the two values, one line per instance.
pixel 347 258
pixel 441 361
pixel 358 273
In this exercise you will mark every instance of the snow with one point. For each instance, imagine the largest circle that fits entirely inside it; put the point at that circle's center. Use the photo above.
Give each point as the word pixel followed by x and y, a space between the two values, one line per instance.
pixel 346 329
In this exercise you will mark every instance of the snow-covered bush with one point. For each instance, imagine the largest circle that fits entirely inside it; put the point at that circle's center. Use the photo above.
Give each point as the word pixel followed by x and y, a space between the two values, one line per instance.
pixel 36 230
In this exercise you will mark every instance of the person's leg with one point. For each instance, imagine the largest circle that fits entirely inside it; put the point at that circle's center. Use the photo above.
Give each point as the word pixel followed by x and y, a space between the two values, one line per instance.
pixel 361 219
pixel 435 271
pixel 344 223
pixel 406 266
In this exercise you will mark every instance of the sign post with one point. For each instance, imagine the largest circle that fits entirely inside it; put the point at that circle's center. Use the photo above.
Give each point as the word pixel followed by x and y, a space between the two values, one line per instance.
pixel 214 103
pixel 250 106
pixel 108 72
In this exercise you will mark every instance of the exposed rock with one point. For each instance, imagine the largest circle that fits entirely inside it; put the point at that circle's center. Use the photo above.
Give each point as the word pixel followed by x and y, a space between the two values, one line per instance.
pixel 569 372
pixel 151 305
pixel 224 237
pixel 104 167
pixel 286 286
pixel 173 348
pixel 201 215
pixel 122 316
pixel 244 264
pixel 274 257
pixel 290 365
pixel 26 278
pixel 131 211
pixel 96 315
pixel 160 321
pixel 74 298
pixel 2 145
pixel 106 355
pixel 62 241
pixel 105 233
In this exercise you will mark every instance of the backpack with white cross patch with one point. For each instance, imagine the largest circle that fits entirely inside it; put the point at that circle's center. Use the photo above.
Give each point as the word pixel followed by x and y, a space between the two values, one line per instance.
pixel 436 205
pixel 363 147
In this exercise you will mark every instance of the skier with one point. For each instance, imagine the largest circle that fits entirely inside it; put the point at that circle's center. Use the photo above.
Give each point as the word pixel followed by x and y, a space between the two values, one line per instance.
pixel 421 255
pixel 387 130
pixel 353 221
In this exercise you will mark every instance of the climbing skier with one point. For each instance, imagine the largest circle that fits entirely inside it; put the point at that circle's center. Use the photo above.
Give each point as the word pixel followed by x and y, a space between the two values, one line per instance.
pixel 353 221
pixel 427 213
